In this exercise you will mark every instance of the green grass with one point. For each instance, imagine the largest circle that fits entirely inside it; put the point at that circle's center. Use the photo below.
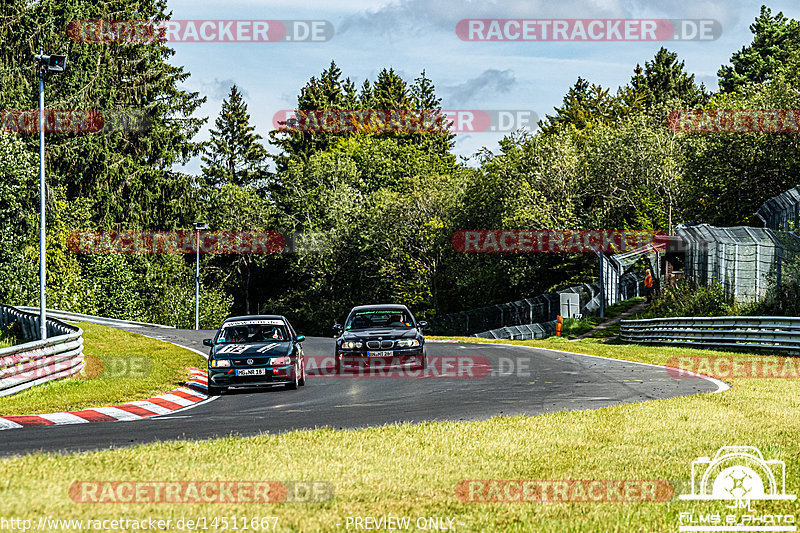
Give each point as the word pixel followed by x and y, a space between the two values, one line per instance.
pixel 413 470
pixel 120 367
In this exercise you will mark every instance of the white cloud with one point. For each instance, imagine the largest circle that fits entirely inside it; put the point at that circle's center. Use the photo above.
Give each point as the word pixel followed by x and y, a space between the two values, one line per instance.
pixel 490 81
pixel 218 89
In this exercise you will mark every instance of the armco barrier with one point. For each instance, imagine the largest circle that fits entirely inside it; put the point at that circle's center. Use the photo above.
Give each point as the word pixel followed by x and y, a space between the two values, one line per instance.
pixel 32 363
pixel 522 332
pixel 105 321
pixel 760 332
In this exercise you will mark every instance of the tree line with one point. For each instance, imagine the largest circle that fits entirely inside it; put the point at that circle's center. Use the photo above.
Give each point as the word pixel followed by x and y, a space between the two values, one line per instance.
pixel 375 209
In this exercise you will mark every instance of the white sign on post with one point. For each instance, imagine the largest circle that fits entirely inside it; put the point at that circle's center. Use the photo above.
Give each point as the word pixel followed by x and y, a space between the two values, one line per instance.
pixel 570 305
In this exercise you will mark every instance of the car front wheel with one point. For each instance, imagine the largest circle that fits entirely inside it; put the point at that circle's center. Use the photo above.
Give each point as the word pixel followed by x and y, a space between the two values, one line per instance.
pixel 295 383
pixel 302 381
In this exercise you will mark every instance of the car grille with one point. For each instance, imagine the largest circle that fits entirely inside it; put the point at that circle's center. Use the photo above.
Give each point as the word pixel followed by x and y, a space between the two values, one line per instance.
pixel 256 361
pixel 385 345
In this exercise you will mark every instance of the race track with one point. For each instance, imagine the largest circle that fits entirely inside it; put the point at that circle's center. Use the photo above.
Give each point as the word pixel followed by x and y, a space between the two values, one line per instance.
pixel 504 380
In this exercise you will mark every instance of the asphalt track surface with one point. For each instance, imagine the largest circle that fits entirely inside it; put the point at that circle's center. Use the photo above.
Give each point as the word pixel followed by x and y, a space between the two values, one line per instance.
pixel 497 380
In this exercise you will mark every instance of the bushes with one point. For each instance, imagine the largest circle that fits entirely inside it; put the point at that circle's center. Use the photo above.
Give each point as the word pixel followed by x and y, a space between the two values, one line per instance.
pixel 780 301
pixel 176 306
pixel 688 299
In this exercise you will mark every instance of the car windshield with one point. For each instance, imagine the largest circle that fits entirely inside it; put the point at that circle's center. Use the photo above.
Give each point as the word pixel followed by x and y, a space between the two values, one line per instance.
pixel 379 318
pixel 252 333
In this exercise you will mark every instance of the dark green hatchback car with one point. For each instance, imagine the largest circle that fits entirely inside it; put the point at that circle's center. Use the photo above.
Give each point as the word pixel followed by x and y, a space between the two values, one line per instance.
pixel 255 350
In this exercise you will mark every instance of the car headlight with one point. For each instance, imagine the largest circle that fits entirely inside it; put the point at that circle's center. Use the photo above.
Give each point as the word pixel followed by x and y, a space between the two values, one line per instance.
pixel 285 360
pixel 220 363
pixel 407 343
pixel 352 345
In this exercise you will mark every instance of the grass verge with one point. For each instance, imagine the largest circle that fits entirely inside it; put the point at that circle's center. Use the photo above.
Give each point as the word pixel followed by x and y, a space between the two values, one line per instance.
pixel 120 367
pixel 412 470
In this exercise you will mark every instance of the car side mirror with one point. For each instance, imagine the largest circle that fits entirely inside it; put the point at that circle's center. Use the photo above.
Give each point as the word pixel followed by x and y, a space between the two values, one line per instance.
pixel 422 324
pixel 300 338
pixel 338 328
pixel 207 342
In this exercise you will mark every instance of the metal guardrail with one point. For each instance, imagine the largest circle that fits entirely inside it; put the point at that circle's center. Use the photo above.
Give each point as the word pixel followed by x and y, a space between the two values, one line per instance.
pixel 761 332
pixel 522 332
pixel 32 363
pixel 105 321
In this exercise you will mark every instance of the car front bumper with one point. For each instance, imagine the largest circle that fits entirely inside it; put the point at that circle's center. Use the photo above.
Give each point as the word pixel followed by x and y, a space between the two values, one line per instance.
pixel 399 358
pixel 273 375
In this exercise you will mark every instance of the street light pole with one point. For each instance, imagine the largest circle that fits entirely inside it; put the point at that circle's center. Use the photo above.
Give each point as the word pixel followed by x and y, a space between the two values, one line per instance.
pixel 42 234
pixel 51 63
pixel 197 226
pixel 197 286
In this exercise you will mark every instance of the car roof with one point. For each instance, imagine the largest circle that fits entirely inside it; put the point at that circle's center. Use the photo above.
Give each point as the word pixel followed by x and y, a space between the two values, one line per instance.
pixel 255 317
pixel 380 307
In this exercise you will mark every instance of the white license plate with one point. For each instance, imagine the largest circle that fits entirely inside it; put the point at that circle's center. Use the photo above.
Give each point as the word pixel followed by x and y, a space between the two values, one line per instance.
pixel 387 353
pixel 251 372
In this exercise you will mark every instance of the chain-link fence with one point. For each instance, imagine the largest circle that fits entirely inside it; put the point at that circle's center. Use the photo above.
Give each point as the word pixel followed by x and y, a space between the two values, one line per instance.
pixel 541 308
pixel 781 212
pixel 620 281
pixel 744 260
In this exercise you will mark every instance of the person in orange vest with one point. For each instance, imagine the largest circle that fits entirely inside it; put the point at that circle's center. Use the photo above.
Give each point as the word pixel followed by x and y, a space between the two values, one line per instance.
pixel 648 285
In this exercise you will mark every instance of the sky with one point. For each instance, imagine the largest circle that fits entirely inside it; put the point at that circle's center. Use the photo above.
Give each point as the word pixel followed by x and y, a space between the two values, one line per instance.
pixel 415 35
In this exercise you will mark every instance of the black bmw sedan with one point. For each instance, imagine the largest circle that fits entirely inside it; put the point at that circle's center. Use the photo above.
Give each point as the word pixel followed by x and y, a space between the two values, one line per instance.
pixel 385 335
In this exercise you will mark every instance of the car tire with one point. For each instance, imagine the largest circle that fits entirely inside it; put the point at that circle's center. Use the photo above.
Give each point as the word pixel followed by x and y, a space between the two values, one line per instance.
pixel 214 391
pixel 302 381
pixel 295 383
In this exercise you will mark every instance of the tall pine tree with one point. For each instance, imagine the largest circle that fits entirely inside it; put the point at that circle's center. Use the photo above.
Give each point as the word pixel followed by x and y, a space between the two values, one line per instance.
pixel 126 176
pixel 774 50
pixel 438 139
pixel 664 79
pixel 234 155
pixel 389 92
pixel 586 105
